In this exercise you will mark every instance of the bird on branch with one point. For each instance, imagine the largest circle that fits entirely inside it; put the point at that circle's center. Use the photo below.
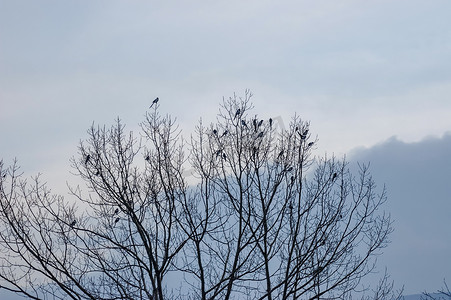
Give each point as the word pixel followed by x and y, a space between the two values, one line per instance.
pixel 238 112
pixel 154 102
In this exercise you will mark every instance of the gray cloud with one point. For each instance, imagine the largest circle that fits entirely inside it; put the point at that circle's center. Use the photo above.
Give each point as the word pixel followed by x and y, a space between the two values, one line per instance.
pixel 418 180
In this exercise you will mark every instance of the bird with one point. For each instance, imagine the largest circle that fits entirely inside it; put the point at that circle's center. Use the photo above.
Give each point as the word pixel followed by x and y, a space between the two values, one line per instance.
pixel 73 223
pixel 317 271
pixel 154 102
pixel 215 132
pixel 224 133
pixel 254 150
pixel 98 173
pixel 270 122
pixel 243 123
pixel 117 220
pixel 254 122
pixel 238 112
pixel 116 211
pixel 87 158
pixel 260 123
pixel 147 158
pixel 303 135
pixel 224 156
pixel 4 175
pixel 310 144
pixel 280 154
pixel 334 176
pixel 260 135
pixel 290 169
pixel 218 152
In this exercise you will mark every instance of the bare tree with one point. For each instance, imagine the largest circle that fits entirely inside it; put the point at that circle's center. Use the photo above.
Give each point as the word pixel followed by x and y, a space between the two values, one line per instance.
pixel 442 294
pixel 260 218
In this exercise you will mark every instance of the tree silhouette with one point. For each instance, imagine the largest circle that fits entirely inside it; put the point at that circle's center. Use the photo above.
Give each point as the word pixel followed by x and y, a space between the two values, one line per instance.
pixel 442 294
pixel 248 214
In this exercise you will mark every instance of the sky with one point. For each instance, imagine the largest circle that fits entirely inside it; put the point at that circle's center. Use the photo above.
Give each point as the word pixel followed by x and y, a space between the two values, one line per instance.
pixel 372 77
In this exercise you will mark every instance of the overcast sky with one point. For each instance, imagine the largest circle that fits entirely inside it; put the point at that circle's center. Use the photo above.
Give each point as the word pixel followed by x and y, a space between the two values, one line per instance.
pixel 370 75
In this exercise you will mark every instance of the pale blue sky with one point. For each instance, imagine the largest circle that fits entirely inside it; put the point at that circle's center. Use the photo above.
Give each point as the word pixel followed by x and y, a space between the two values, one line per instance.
pixel 360 71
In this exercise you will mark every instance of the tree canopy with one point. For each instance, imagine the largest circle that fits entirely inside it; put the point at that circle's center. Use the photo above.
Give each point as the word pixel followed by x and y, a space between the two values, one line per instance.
pixel 241 210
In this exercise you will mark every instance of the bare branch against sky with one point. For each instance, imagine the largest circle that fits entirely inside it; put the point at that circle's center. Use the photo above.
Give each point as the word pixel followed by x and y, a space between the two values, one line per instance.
pixel 360 71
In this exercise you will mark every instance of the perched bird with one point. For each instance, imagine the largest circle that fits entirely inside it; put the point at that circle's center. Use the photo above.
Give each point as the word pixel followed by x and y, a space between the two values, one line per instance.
pixel 254 122
pixel 254 150
pixel 292 179
pixel 270 122
pixel 154 102
pixel 310 144
pixel 117 220
pixel 98 173
pixel 302 135
pixel 280 154
pixel 116 211
pixel 4 175
pixel 290 169
pixel 224 156
pixel 87 158
pixel 260 135
pixel 215 132
pixel 224 133
pixel 218 152
pixel 238 112
pixel 73 223
pixel 317 271
pixel 334 176
pixel 147 158
pixel 243 123
pixel 260 123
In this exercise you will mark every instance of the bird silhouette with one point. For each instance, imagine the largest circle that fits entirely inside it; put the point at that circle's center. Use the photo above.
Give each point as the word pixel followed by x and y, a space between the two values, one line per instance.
pixel 87 158
pixel 154 102
pixel 243 123
pixel 98 173
pixel 310 144
pixel 117 220
pixel 334 176
pixel 280 154
pixel 260 135
pixel 238 112
pixel 215 132
pixel 224 133
pixel 147 158
pixel 254 122
pixel 270 122
pixel 116 211
pixel 260 123
pixel 73 223
pixel 290 169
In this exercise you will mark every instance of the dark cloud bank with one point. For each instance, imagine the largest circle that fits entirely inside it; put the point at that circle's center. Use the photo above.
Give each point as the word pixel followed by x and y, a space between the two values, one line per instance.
pixel 418 181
